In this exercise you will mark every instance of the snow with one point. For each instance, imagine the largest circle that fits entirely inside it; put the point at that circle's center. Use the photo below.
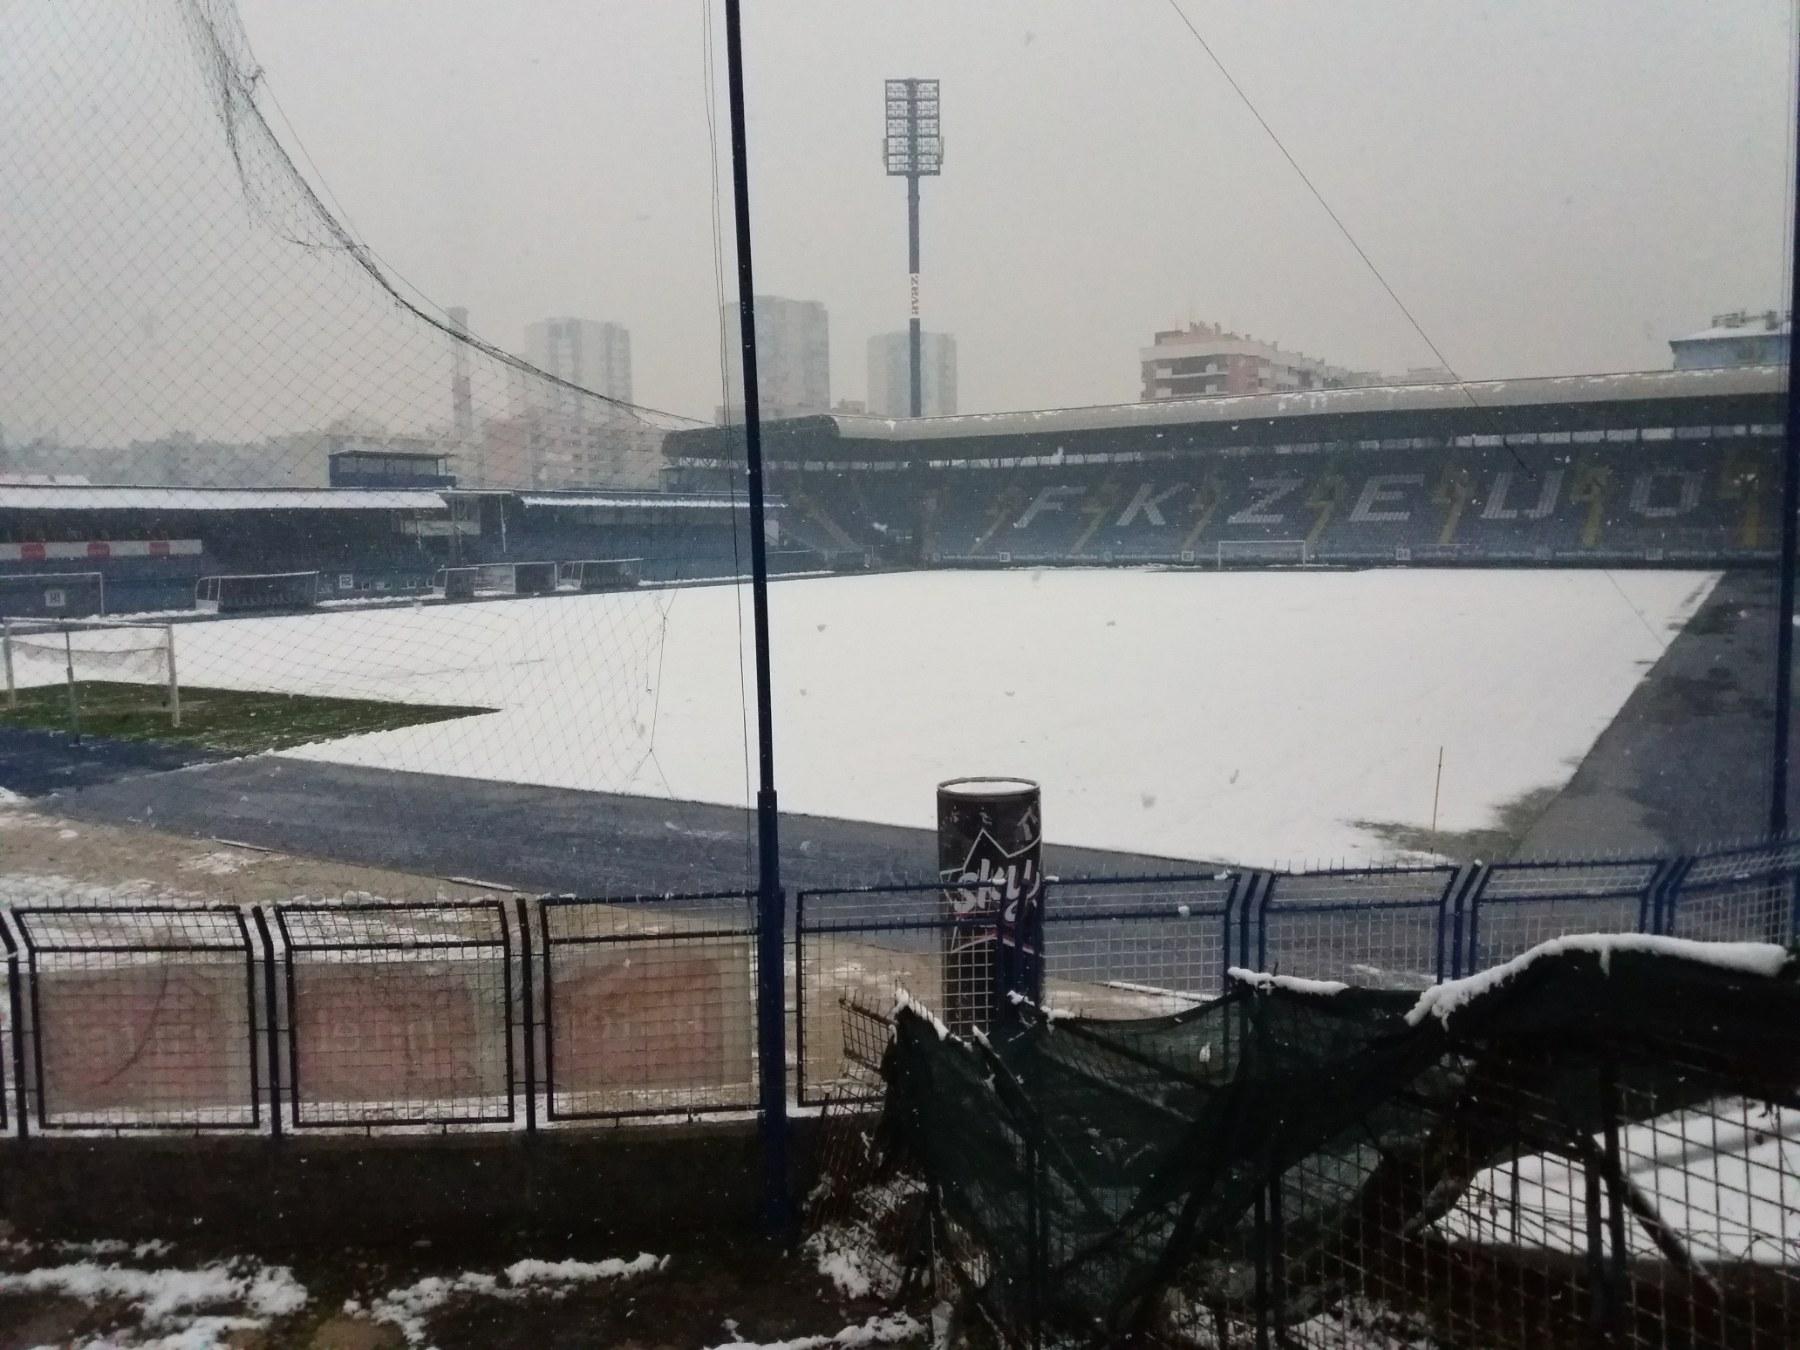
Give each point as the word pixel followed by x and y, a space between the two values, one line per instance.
pixel 1724 1179
pixel 1292 983
pixel 844 1268
pixel 904 1001
pixel 176 1302
pixel 1751 958
pixel 407 1307
pixel 1235 717
pixel 580 1272
pixel 220 862
pixel 888 1330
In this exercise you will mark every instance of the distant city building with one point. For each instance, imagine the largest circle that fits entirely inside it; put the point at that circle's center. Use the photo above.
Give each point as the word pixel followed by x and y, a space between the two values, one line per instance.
pixel 890 375
pixel 793 359
pixel 585 352
pixel 1737 339
pixel 1205 359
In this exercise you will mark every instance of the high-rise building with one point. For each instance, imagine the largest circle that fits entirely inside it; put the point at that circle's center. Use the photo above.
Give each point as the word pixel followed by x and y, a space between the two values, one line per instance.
pixel 793 359
pixel 1738 339
pixel 1205 359
pixel 594 355
pixel 559 437
pixel 890 375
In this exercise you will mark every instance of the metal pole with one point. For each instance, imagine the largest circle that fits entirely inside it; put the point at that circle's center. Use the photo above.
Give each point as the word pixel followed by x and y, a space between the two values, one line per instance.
pixel 1790 509
pixel 915 340
pixel 770 924
pixel 12 690
pixel 174 684
pixel 69 670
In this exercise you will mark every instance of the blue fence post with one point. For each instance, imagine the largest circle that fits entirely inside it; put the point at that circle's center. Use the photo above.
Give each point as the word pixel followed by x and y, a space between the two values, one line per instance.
pixel 17 1005
pixel 1668 893
pixel 271 1032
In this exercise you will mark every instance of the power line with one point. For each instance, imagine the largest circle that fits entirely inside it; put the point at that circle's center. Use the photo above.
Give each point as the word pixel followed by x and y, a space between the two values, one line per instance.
pixel 1319 197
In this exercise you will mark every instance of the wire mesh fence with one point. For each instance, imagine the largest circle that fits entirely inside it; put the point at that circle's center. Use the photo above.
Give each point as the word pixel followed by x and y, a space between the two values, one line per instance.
pixel 1133 947
pixel 1735 895
pixel 1515 906
pixel 648 1005
pixel 499 1014
pixel 141 1018
pixel 398 1014
pixel 859 949
pixel 1383 927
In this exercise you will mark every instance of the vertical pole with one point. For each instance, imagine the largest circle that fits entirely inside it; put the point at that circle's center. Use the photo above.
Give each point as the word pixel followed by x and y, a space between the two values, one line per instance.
pixel 69 671
pixel 1437 788
pixel 915 339
pixel 1790 508
pixel 174 684
pixel 12 690
pixel 770 924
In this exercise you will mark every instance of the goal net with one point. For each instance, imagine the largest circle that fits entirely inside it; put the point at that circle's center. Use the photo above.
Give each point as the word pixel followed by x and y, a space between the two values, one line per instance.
pixel 600 574
pixel 516 578
pixel 1263 552
pixel 188 310
pixel 254 593
pixel 123 667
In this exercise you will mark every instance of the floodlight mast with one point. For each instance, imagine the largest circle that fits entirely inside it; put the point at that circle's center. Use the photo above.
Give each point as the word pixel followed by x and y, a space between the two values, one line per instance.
pixel 913 148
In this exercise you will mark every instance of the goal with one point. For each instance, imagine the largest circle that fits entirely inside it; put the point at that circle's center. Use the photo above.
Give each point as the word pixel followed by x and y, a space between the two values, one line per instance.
pixel 600 574
pixel 133 662
pixel 256 592
pixel 516 578
pixel 1263 553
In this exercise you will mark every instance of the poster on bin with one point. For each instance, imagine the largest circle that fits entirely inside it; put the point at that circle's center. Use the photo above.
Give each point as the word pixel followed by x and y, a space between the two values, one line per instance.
pixel 990 846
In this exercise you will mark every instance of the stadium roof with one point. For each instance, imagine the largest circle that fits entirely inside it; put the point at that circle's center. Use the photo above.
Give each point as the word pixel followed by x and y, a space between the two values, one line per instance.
pixel 654 501
pixel 1642 387
pixel 75 497
pixel 1227 415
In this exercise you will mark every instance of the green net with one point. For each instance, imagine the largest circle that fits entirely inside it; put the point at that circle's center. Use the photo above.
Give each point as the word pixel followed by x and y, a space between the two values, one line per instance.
pixel 1087 1174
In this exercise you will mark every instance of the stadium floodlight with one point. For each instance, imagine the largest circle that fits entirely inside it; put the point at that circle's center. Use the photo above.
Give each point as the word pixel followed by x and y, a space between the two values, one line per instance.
pixel 914 145
pixel 913 148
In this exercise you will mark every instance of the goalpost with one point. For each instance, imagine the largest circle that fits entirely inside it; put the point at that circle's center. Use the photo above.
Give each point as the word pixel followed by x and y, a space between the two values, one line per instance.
pixel 1263 552
pixel 40 652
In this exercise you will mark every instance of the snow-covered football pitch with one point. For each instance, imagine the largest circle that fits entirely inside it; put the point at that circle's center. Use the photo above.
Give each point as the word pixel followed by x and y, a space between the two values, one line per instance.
pixel 1252 717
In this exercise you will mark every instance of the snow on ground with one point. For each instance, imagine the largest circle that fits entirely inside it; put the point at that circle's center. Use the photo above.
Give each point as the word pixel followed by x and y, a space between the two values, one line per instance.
pixel 409 1307
pixel 193 1309
pixel 1724 1179
pixel 893 1329
pixel 1251 717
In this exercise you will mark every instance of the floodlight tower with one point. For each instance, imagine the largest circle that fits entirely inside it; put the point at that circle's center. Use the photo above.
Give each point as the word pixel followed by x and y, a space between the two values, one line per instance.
pixel 913 149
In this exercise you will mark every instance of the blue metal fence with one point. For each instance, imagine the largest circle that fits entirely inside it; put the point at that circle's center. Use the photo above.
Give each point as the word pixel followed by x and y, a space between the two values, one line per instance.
pixel 536 1014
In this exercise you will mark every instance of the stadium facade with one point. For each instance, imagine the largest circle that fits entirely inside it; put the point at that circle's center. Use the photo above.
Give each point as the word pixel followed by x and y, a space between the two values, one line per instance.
pixel 1664 468
pixel 1671 468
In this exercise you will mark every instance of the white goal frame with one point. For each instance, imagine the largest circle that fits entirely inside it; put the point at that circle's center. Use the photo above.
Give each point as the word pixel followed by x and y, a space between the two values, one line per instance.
pixel 12 630
pixel 1247 552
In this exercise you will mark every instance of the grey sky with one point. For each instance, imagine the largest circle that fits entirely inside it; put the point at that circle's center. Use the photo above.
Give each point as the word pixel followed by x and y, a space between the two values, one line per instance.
pixel 1553 187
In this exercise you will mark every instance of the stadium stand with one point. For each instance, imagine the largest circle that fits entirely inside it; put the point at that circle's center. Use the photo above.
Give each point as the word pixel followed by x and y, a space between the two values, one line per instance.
pixel 152 545
pixel 1671 468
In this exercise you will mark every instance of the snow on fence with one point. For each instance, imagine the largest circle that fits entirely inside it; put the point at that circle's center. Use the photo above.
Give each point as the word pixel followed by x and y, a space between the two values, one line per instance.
pixel 535 1014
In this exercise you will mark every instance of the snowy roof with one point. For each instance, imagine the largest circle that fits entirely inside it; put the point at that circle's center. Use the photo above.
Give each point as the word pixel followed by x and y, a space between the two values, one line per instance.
pixel 72 497
pixel 1755 328
pixel 654 501
pixel 1387 398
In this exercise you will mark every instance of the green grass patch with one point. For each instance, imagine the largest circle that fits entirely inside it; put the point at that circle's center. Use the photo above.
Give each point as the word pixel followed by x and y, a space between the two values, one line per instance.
pixel 230 721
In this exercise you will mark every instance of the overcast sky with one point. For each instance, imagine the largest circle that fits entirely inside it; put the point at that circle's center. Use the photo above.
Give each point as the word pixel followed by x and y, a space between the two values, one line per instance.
pixel 1551 187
